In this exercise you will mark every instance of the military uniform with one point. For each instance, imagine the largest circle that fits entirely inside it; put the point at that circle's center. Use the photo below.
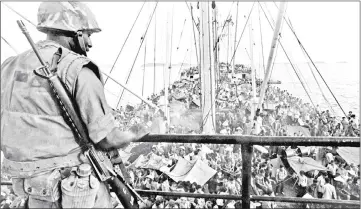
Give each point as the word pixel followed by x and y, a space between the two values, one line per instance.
pixel 40 150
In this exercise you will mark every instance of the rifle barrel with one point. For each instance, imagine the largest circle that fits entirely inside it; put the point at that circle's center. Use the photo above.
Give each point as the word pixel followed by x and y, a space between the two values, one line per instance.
pixel 26 33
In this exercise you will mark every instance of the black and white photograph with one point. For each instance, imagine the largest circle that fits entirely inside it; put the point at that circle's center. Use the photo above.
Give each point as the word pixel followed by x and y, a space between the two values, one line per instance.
pixel 180 104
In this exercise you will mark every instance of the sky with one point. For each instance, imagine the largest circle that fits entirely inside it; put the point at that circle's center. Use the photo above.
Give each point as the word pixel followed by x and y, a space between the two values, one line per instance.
pixel 328 30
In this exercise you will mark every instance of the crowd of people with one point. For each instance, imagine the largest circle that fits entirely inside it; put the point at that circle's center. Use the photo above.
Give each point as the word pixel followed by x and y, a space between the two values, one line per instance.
pixel 280 110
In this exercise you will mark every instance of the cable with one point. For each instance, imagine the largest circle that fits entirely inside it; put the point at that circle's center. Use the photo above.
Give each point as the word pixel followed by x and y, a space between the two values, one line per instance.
pixel 194 34
pixel 212 80
pixel 302 47
pixel 220 35
pixel 182 62
pixel 319 86
pixel 145 56
pixel 293 67
pixel 180 38
pixel 171 50
pixel 249 15
pixel 124 43
pixel 19 14
pixel 260 28
pixel 191 11
pixel 155 44
pixel 137 54
pixel 16 51
pixel 274 61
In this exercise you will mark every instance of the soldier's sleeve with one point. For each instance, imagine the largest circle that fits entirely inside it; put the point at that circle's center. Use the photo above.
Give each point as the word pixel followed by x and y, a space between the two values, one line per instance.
pixel 94 110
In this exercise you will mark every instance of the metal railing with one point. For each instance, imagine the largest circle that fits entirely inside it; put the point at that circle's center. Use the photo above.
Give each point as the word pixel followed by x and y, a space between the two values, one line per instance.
pixel 247 143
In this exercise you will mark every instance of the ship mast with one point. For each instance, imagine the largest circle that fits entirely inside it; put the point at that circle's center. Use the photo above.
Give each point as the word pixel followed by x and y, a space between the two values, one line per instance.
pixel 167 68
pixel 235 42
pixel 273 47
pixel 253 73
pixel 207 72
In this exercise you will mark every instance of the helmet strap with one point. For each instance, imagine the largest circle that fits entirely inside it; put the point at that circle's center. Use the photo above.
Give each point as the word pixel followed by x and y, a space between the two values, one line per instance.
pixel 79 43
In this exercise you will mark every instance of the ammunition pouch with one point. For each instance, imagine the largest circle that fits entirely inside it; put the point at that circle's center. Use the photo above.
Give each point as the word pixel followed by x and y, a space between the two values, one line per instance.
pixel 44 187
pixel 79 191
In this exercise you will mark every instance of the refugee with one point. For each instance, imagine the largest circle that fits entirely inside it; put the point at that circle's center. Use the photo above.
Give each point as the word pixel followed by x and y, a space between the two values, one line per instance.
pixel 281 175
pixel 329 191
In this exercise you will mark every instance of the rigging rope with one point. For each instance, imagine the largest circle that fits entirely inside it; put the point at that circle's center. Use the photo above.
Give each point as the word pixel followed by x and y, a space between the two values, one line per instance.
pixel 145 56
pixel 191 11
pixel 155 44
pixel 180 38
pixel 16 51
pixel 249 15
pixel 179 71
pixel 260 28
pixel 303 48
pixel 124 43
pixel 143 37
pixel 235 38
pixel 19 14
pixel 227 43
pixel 319 86
pixel 293 67
pixel 238 40
pixel 225 22
pixel 171 49
pixel 212 70
pixel 274 61
pixel 194 33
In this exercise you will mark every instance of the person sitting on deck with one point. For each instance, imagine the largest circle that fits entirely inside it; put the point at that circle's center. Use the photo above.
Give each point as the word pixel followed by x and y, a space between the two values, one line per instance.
pixel 261 184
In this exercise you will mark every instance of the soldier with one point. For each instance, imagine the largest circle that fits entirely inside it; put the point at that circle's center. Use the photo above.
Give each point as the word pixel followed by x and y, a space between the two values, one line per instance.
pixel 39 147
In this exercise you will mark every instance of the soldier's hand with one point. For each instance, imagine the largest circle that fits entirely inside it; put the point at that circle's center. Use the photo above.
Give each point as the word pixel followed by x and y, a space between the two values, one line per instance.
pixel 139 130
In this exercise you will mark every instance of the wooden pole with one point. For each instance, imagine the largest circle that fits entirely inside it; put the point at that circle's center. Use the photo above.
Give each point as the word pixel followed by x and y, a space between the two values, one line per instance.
pixel 273 47
pixel 208 106
pixel 213 62
pixel 155 45
pixel 253 71
pixel 246 150
pixel 167 66
pixel 145 55
pixel 235 42
pixel 215 48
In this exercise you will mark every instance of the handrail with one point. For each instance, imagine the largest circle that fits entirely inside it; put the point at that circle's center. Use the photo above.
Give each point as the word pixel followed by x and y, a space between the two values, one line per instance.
pixel 253 198
pixel 247 143
pixel 253 140
pixel 239 197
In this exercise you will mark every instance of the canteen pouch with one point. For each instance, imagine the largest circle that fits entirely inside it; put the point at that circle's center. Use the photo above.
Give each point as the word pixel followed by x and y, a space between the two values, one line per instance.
pixel 79 192
pixel 44 187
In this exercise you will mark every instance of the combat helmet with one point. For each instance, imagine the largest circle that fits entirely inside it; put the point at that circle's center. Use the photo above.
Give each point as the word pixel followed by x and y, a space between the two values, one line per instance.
pixel 67 18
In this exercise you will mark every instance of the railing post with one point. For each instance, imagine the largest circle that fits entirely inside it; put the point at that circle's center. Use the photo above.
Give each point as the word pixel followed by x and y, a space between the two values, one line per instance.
pixel 247 151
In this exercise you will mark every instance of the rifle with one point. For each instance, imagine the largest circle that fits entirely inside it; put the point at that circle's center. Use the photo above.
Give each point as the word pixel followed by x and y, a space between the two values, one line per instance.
pixel 99 160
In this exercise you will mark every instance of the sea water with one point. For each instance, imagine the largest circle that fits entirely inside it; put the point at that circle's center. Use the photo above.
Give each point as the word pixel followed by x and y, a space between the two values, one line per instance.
pixel 342 78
